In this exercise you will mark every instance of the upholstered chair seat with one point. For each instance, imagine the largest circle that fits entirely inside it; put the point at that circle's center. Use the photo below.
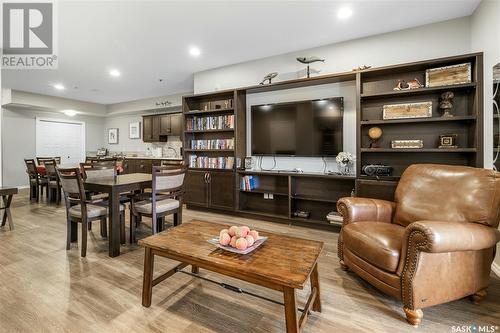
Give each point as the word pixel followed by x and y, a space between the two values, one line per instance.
pixel 434 244
pixel 377 243
pixel 92 211
pixel 145 206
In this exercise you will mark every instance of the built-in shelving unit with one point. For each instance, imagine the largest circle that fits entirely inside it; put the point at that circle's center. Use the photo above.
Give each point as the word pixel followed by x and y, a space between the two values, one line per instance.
pixel 277 195
pixel 375 89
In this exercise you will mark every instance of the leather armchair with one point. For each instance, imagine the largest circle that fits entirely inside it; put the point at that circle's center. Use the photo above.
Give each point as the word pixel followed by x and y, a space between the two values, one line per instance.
pixel 434 244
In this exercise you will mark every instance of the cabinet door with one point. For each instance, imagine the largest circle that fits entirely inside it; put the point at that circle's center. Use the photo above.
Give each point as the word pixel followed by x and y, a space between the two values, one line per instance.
pixel 176 124
pixel 156 128
pixel 131 166
pixel 196 188
pixel 165 124
pixel 147 129
pixel 144 166
pixel 222 189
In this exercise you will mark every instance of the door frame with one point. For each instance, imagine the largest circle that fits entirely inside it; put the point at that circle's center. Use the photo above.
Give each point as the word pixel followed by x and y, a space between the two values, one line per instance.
pixel 38 120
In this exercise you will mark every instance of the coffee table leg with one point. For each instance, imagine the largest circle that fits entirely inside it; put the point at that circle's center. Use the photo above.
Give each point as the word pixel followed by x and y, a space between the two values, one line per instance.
pixel 315 284
pixel 195 269
pixel 292 324
pixel 147 284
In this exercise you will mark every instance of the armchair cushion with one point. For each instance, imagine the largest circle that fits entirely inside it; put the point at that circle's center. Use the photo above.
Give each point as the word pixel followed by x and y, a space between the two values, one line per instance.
pixel 364 209
pixel 442 237
pixel 378 243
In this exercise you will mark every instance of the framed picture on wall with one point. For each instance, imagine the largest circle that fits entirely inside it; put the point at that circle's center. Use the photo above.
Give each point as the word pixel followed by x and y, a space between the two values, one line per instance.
pixel 134 130
pixel 112 135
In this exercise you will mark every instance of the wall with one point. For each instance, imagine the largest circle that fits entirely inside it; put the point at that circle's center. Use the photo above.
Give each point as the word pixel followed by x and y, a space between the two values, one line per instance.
pixel 18 139
pixel 425 42
pixel 485 36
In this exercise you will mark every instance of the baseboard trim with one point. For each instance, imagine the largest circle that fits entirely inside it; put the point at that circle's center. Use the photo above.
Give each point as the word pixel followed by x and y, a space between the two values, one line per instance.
pixel 496 269
pixel 23 187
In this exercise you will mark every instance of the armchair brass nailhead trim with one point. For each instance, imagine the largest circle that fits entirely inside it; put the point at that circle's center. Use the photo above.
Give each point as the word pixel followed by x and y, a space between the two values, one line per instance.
pixel 410 267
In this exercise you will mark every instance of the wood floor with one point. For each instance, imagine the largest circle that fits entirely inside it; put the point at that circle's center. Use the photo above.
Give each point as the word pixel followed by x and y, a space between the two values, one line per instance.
pixel 44 288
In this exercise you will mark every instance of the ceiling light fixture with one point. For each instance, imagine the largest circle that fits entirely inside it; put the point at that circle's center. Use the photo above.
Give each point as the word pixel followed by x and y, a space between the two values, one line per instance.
pixel 115 73
pixel 70 113
pixel 344 13
pixel 59 86
pixel 194 51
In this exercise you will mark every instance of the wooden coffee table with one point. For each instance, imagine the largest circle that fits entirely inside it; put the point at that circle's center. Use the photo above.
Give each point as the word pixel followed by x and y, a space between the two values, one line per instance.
pixel 282 263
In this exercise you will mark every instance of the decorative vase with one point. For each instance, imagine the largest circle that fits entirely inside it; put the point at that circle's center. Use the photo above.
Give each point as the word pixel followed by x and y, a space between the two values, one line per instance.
pixel 344 168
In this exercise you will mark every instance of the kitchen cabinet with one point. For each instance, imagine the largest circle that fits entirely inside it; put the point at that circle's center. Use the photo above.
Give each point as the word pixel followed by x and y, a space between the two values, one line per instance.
pixel 212 189
pixel 156 128
pixel 150 129
pixel 142 165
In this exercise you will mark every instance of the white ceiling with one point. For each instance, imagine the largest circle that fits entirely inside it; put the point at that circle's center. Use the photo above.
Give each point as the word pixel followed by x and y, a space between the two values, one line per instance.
pixel 148 40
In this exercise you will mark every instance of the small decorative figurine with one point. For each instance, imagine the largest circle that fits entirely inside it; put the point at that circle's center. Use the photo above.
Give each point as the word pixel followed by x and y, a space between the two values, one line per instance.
pixel 269 77
pixel 446 103
pixel 412 84
pixel 308 61
pixel 361 68
pixel 374 133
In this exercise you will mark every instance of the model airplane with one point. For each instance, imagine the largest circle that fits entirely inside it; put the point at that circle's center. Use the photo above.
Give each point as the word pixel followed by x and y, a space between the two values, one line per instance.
pixel 269 77
pixel 308 61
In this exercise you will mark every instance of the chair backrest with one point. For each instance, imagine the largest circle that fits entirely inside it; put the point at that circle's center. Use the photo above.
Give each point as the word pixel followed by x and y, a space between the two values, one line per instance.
pixel 42 160
pixel 72 182
pixel 96 171
pixel 50 168
pixel 168 178
pixel 448 193
pixel 31 167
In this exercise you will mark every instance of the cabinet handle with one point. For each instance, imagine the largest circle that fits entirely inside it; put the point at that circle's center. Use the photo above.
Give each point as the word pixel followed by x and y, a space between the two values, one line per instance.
pixel 208 177
pixel 205 177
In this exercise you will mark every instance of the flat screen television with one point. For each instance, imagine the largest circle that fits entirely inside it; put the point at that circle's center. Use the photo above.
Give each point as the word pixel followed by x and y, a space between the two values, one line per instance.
pixel 303 128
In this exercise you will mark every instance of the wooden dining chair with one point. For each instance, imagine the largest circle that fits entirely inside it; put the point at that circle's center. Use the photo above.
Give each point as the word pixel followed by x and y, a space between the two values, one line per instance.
pixel 93 171
pixel 53 185
pixel 166 194
pixel 36 181
pixel 79 209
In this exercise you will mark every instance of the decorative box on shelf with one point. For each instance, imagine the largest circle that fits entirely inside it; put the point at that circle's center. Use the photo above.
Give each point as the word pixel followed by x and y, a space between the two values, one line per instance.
pixel 407 110
pixel 448 75
pixel 405 144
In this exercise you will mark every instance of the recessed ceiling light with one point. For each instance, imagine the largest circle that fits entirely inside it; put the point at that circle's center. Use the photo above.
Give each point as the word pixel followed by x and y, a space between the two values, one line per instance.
pixel 70 113
pixel 115 73
pixel 194 51
pixel 344 13
pixel 59 86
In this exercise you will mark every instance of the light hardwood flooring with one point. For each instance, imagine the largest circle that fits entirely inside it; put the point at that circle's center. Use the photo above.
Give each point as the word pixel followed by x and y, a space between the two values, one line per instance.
pixel 44 288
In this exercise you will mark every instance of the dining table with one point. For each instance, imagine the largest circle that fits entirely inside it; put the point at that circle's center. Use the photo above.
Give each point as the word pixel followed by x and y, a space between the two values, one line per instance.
pixel 114 187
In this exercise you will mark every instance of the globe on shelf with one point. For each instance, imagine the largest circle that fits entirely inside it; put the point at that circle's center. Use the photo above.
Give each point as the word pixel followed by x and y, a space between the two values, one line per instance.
pixel 374 133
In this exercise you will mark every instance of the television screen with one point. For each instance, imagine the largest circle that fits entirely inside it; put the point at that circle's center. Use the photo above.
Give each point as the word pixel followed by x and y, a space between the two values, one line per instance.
pixel 303 128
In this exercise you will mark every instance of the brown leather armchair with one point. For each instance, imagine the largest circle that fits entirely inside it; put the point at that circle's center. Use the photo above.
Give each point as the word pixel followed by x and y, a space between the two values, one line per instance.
pixel 434 244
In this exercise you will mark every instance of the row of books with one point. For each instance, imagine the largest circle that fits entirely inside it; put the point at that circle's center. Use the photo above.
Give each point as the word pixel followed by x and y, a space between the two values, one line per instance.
pixel 206 162
pixel 211 122
pixel 213 144
pixel 248 183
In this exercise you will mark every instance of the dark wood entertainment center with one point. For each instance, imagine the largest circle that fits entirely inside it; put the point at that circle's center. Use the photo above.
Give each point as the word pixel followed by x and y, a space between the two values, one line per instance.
pixel 216 188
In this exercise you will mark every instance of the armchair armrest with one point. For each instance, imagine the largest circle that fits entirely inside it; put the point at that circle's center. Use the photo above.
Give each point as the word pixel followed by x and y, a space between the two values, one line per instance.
pixel 364 209
pixel 439 237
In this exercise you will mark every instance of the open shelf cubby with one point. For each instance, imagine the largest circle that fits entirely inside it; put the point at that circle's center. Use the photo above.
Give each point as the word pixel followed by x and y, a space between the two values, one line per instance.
pixel 314 193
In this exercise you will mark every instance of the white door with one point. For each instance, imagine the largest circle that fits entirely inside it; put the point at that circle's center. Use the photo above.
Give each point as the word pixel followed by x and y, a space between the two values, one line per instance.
pixel 61 138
